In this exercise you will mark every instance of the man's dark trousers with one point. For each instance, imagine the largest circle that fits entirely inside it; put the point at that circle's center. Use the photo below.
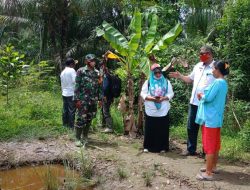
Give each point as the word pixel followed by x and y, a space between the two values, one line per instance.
pixel 192 129
pixel 69 110
pixel 106 116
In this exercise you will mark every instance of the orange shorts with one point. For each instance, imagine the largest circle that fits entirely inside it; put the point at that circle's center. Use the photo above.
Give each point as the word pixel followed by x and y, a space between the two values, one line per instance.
pixel 211 139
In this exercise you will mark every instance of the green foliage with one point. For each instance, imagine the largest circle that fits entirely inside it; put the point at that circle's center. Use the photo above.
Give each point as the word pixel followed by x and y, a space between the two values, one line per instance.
pixel 122 173
pixel 50 179
pixel 31 115
pixel 11 62
pixel 132 56
pixel 236 111
pixel 41 76
pixel 233 148
pixel 245 136
pixel 117 119
pixel 168 38
pixel 148 177
pixel 86 165
pixel 234 43
pixel 201 16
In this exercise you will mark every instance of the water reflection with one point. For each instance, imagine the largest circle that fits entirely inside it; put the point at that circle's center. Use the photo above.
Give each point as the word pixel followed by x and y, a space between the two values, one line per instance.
pixel 39 178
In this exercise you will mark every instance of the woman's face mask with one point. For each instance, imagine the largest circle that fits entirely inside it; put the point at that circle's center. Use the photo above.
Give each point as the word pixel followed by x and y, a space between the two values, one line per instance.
pixel 157 74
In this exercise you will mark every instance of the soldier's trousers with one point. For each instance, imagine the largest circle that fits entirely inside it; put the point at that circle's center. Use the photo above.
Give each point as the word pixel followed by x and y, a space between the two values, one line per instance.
pixel 85 114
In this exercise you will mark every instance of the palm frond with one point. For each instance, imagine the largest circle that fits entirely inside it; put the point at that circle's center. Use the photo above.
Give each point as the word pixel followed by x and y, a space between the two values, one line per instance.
pixel 13 20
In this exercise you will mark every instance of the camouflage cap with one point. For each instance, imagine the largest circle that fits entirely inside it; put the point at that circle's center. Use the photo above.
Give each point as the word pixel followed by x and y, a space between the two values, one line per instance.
pixel 90 57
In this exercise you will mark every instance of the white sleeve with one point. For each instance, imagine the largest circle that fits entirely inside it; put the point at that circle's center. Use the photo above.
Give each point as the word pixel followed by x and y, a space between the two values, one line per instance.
pixel 73 76
pixel 170 93
pixel 144 90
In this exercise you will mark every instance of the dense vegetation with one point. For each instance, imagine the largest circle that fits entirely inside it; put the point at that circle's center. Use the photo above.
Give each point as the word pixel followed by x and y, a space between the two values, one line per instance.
pixel 41 34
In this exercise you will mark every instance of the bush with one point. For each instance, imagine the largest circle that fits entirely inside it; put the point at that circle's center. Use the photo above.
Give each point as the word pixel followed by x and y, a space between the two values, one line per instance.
pixel 234 43
pixel 235 110
pixel 245 136
pixel 31 115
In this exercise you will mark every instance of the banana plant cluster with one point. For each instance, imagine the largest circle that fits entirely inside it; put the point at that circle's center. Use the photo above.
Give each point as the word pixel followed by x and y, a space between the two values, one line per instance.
pixel 134 49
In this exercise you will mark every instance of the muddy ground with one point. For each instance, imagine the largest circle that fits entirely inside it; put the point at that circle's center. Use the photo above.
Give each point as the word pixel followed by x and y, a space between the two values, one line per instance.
pixel 120 164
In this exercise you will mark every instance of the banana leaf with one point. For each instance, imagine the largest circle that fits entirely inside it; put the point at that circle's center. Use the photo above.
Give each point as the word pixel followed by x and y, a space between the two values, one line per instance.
pixel 135 27
pixel 115 38
pixel 168 38
pixel 151 33
pixel 145 66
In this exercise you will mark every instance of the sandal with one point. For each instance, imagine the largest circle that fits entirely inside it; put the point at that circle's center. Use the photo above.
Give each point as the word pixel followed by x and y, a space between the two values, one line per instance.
pixel 204 177
pixel 215 171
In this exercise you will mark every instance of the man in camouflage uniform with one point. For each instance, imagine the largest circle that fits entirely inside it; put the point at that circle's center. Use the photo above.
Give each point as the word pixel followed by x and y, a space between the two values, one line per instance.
pixel 87 95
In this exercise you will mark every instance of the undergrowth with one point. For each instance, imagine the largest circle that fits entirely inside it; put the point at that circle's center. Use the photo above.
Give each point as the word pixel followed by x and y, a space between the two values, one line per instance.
pixel 31 114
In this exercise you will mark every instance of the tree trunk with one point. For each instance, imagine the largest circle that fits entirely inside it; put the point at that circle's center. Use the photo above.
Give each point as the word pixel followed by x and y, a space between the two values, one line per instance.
pixel 64 29
pixel 140 119
pixel 130 119
pixel 7 91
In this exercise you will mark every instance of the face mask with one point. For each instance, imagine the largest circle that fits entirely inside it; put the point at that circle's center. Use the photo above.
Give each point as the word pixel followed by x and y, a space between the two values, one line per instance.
pixel 204 57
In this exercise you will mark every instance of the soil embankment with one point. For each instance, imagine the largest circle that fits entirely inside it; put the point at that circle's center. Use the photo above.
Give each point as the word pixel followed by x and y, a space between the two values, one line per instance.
pixel 120 164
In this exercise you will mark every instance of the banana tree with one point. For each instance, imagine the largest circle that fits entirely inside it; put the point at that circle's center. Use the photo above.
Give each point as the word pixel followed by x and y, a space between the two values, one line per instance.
pixel 133 51
pixel 150 46
pixel 127 49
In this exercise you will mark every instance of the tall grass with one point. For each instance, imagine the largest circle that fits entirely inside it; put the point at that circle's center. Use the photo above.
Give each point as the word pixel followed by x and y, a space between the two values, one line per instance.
pixel 31 114
pixel 116 118
pixel 234 145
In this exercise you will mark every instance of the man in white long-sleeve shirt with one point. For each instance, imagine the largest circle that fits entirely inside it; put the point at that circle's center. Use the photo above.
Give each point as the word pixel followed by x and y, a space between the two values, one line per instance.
pixel 201 77
pixel 68 76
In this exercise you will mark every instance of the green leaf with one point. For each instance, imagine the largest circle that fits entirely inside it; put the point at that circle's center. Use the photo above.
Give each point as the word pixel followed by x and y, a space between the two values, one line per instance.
pixel 135 27
pixel 115 38
pixel 99 31
pixel 168 38
pixel 151 33
pixel 145 66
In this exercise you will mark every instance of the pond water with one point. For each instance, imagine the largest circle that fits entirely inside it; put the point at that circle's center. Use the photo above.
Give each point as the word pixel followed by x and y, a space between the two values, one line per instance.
pixel 40 178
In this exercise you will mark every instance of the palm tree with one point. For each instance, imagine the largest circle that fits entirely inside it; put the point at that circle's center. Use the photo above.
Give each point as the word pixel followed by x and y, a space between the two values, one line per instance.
pixel 65 27
pixel 201 15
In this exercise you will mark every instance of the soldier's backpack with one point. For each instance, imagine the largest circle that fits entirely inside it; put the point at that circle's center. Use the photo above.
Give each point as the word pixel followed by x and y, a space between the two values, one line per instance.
pixel 116 86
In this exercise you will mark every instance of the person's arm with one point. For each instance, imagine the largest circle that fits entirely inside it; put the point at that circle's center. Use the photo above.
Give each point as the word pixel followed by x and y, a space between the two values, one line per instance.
pixel 144 93
pixel 212 91
pixel 178 75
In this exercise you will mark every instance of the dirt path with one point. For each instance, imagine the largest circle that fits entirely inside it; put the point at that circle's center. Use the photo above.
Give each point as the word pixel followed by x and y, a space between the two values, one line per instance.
pixel 120 164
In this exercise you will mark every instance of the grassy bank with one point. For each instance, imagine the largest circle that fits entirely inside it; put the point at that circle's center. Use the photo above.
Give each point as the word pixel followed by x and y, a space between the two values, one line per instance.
pixel 37 114
pixel 30 114
pixel 232 147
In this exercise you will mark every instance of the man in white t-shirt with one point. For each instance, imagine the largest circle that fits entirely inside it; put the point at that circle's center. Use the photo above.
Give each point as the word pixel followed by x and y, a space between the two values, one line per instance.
pixel 68 76
pixel 201 77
